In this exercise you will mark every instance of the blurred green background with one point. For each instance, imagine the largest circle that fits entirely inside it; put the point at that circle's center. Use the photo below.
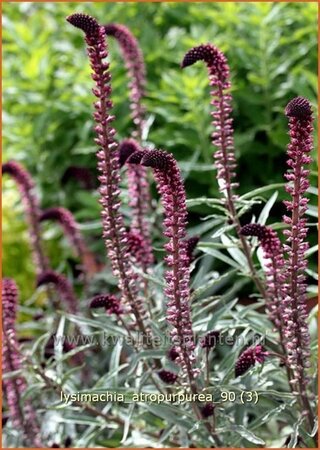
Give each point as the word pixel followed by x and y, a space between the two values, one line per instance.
pixel 272 51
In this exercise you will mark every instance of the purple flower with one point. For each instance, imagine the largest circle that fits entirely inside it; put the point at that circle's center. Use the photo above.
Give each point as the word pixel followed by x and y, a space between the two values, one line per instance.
pixel 295 313
pixel 173 196
pixel 114 231
pixel 139 201
pixel 173 354
pixel 249 358
pixel 133 59
pixel 207 410
pixel 22 415
pixel 210 339
pixel 108 301
pixel 167 377
pixel 222 137
pixel 274 267
pixel 64 288
pixel 26 188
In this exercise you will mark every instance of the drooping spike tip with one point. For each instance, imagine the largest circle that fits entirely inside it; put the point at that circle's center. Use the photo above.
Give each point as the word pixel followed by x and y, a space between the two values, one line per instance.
pixel 84 22
pixel 299 107
pixel 203 52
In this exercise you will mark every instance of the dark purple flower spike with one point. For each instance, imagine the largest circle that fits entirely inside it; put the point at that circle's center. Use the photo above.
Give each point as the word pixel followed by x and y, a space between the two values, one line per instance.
pixel 26 187
pixel 114 231
pixel 207 410
pixel 170 186
pixel 22 414
pixel 295 313
pixel 110 302
pixel 249 358
pixel 167 377
pixel 63 287
pixel 173 354
pixel 219 76
pixel 133 59
pixel 138 184
pixel 222 137
pixel 274 267
pixel 86 23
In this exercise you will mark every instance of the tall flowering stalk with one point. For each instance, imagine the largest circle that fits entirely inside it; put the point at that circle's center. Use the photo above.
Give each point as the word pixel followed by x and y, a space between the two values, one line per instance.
pixel 139 200
pixel 171 189
pixel 114 231
pixel 275 278
pixel 71 229
pixel 26 187
pixel 274 266
pixel 222 138
pixel 139 192
pixel 23 415
pixel 295 312
pixel 133 59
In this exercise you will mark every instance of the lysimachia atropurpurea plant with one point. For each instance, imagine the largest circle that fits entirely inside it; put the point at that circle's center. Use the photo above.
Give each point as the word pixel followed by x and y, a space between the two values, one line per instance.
pixel 173 341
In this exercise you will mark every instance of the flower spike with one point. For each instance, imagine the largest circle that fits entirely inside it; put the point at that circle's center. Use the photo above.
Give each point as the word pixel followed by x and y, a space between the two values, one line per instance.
pixel 133 58
pixel 222 137
pixel 300 108
pixel 170 186
pixel 295 300
pixel 26 187
pixel 249 358
pixel 108 301
pixel 84 22
pixel 23 415
pixel 274 267
pixel 114 231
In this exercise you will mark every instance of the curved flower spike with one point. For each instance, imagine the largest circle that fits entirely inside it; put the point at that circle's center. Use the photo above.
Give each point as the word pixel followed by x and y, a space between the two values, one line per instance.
pixel 114 231
pixel 173 196
pixel 134 63
pixel 22 414
pixel 222 137
pixel 274 267
pixel 249 358
pixel 295 314
pixel 167 377
pixel 26 187
pixel 108 301
pixel 126 148
pixel 84 22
